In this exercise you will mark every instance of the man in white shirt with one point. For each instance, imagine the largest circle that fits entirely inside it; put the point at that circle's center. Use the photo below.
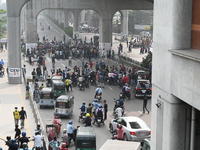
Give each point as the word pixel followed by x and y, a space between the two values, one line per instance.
pixel 37 140
pixel 119 111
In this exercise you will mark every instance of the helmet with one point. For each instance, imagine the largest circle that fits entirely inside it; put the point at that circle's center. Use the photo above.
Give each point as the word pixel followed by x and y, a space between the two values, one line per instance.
pixel 13 140
pixel 87 115
pixel 70 122
pixel 119 126
pixel 23 133
pixel 99 86
pixel 95 100
pixel 100 106
pixel 64 130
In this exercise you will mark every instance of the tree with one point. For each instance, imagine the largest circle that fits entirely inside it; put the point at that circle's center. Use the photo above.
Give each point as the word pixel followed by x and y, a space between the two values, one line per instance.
pixel 3 20
pixel 146 62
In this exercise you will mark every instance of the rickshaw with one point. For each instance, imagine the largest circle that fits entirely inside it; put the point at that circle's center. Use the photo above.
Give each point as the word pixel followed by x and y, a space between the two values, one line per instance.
pixel 49 84
pixel 46 97
pixel 64 105
pixel 85 139
pixel 58 88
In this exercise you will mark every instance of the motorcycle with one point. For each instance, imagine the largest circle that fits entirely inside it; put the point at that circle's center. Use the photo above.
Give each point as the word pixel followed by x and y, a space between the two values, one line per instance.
pixel 1 73
pixel 87 84
pixel 99 97
pixel 81 86
pixel 82 117
pixel 98 121
pixel 48 84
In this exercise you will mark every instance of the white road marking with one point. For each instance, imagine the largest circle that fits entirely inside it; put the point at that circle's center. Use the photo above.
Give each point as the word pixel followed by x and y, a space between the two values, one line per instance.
pixel 63 65
pixel 110 88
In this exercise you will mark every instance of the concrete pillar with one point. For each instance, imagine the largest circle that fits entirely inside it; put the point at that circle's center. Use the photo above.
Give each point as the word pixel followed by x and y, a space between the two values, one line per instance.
pixel 171 31
pixel 14 46
pixel 76 14
pixel 124 22
pixel 89 17
pixel 60 15
pixel 82 16
pixel 66 18
pixel 105 32
pixel 31 24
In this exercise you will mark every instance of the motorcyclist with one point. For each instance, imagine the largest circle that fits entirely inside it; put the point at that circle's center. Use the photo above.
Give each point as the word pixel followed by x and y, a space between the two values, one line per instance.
pixel 38 141
pixel 8 142
pixel 70 131
pixel 119 132
pixel 120 101
pixel 99 114
pixel 98 91
pixel 57 124
pixel 95 106
pixel 23 139
pixel 13 145
pixel 88 120
pixel 126 90
pixel 119 111
pixel 83 108
pixel 63 147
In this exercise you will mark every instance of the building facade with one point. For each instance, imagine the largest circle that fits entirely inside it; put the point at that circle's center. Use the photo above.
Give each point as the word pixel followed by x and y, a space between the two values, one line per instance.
pixel 176 75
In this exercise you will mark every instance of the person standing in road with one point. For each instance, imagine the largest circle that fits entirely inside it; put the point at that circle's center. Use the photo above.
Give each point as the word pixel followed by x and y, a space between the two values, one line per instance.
pixel 16 116
pixel 145 104
pixel 54 144
pixel 105 109
pixel 22 115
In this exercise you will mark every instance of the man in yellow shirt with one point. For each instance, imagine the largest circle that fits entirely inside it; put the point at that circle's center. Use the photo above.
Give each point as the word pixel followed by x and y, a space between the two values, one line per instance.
pixel 16 116
pixel 67 84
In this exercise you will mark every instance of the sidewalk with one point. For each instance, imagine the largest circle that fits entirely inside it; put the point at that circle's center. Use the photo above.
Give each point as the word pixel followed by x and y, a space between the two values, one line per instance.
pixel 13 95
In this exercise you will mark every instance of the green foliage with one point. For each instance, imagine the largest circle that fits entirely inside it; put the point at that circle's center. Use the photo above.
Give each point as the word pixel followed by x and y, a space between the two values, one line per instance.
pixel 3 27
pixel 2 11
pixel 146 62
pixel 61 25
pixel 69 31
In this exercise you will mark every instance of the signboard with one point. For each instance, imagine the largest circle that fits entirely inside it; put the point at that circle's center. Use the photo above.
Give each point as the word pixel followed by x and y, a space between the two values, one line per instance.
pixel 141 27
pixel 14 72
pixel 3 41
pixel 30 46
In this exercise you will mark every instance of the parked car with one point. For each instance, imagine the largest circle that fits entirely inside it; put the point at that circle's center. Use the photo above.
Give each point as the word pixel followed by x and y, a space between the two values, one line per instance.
pixel 135 129
pixel 143 87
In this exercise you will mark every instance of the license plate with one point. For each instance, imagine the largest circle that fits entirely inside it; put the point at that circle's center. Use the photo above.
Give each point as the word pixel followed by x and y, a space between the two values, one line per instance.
pixel 143 91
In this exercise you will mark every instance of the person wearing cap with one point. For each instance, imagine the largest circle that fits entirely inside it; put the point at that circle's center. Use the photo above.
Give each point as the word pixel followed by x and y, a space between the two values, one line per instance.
pixel 88 120
pixel 65 137
pixel 16 116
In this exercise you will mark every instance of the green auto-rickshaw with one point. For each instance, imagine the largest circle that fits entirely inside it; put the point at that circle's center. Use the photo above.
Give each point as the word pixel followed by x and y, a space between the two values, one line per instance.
pixel 58 88
pixel 85 139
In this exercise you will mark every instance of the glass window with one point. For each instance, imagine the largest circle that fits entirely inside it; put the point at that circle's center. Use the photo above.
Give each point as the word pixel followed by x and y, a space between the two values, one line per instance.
pixel 123 123
pixel 62 104
pixel 134 125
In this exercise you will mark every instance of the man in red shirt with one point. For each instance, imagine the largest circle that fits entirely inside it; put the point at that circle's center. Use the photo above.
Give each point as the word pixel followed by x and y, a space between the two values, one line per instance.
pixel 91 64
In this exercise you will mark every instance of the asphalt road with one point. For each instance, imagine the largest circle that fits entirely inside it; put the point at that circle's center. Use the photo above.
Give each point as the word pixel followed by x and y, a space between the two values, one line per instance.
pixel 132 107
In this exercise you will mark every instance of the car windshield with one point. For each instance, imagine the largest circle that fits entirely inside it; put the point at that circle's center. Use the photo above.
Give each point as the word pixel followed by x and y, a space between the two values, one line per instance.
pixel 135 125
pixel 144 84
pixel 59 87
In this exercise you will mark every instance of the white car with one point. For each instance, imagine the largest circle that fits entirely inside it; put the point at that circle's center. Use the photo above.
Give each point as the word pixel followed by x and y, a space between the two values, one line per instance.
pixel 135 129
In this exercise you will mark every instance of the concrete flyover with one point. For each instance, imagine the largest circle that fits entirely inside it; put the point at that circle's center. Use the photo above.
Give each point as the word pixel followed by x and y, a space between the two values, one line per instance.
pixel 105 8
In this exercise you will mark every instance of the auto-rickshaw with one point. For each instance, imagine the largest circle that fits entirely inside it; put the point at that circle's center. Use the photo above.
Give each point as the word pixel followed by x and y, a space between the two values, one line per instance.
pixel 49 83
pixel 64 105
pixel 58 88
pixel 46 97
pixel 85 139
